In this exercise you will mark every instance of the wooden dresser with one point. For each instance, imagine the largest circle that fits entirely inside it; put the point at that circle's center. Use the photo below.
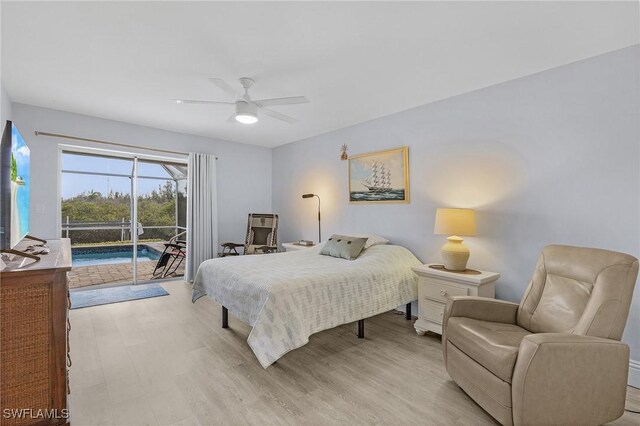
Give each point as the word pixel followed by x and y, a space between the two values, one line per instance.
pixel 34 303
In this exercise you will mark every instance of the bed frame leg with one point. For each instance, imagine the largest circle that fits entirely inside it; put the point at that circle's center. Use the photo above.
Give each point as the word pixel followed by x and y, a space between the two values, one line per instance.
pixel 361 329
pixel 407 311
pixel 225 317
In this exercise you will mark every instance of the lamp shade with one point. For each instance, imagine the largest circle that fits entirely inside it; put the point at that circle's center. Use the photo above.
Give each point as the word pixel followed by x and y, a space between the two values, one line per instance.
pixel 455 222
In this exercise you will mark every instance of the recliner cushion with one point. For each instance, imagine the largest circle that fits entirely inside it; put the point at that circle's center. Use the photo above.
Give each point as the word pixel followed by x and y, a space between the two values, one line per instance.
pixel 493 345
pixel 579 290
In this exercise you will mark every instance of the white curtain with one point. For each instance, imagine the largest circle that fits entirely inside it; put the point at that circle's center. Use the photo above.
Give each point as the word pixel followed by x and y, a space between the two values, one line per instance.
pixel 202 212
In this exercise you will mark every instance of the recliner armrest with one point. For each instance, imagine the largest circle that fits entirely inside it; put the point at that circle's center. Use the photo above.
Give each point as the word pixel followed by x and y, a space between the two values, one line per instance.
pixel 480 308
pixel 569 379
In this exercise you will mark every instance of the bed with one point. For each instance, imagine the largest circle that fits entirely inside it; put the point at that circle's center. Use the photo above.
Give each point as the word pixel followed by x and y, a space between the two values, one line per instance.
pixel 287 297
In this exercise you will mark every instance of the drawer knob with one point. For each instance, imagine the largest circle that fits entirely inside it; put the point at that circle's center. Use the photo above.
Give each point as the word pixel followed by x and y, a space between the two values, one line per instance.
pixel 443 292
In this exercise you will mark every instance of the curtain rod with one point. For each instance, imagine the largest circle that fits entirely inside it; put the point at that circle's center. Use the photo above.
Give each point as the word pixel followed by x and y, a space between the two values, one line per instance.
pixel 77 138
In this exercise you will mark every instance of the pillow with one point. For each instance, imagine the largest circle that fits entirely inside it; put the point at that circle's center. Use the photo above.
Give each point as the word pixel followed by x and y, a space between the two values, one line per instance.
pixel 372 239
pixel 343 246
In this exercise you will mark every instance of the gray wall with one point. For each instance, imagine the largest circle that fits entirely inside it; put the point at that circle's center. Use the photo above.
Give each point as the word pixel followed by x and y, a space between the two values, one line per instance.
pixel 6 108
pixel 5 101
pixel 549 158
pixel 244 171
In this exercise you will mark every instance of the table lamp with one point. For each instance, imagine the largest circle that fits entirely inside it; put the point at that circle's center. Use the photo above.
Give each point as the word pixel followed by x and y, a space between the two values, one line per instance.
pixel 455 222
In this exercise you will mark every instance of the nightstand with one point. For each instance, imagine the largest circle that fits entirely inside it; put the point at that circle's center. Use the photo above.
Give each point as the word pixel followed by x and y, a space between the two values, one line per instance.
pixel 295 246
pixel 436 284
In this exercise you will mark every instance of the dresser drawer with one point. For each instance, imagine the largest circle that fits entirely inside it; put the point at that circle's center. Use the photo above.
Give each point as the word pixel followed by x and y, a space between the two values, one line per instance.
pixel 441 292
pixel 432 311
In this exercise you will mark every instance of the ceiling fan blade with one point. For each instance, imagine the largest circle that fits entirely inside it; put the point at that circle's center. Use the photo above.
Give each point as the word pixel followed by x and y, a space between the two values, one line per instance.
pixel 232 119
pixel 195 101
pixel 277 115
pixel 224 86
pixel 292 100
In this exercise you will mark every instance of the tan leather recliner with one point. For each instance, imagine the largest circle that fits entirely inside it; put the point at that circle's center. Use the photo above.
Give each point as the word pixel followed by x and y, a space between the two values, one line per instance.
pixel 555 359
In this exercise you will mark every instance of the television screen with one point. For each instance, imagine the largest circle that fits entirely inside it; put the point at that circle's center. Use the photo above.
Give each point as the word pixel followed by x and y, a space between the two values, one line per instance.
pixel 14 187
pixel 20 190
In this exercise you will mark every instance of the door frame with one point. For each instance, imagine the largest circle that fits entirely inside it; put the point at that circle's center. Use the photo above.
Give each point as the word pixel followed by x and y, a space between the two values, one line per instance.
pixel 101 152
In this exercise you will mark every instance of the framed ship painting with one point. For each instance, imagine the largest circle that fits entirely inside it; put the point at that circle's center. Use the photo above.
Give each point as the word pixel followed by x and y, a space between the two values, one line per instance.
pixel 379 177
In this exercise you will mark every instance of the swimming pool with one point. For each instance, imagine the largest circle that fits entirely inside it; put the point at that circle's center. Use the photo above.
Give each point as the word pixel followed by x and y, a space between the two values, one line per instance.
pixel 108 255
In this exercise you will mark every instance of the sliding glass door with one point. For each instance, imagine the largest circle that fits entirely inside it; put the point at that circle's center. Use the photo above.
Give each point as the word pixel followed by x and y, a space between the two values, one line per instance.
pixel 125 215
pixel 161 213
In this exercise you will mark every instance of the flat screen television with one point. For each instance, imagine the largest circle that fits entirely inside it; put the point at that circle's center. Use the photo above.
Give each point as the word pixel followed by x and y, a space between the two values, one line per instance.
pixel 15 179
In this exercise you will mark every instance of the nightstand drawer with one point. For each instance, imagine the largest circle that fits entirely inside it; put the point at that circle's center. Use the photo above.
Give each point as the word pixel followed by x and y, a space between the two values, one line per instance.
pixel 441 292
pixel 437 285
pixel 432 311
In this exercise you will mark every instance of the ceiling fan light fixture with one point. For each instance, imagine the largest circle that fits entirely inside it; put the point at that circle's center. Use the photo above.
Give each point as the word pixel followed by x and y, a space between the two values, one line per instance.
pixel 246 118
pixel 246 112
pixel 247 108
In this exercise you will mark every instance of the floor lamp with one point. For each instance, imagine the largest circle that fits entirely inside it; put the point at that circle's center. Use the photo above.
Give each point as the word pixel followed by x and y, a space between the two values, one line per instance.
pixel 310 196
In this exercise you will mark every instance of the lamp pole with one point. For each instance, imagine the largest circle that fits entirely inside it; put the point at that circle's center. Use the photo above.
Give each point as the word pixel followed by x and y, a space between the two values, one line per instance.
pixel 319 231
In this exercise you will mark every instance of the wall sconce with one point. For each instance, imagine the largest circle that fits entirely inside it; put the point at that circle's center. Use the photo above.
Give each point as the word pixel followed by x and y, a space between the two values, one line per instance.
pixel 344 156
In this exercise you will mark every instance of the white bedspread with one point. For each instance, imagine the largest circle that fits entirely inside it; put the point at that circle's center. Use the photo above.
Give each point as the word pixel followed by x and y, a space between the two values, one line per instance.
pixel 287 297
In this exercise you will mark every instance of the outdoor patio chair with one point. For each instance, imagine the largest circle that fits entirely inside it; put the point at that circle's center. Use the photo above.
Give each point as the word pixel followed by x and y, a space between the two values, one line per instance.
pixel 175 251
pixel 262 236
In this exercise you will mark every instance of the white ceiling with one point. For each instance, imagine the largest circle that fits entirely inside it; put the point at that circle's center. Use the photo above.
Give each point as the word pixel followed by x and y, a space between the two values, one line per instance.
pixel 354 61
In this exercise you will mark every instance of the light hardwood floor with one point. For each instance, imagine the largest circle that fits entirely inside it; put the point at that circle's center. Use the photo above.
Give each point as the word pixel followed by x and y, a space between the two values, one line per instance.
pixel 167 361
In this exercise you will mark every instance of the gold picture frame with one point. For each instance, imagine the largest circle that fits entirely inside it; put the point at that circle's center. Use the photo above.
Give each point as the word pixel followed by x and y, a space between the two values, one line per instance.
pixel 379 177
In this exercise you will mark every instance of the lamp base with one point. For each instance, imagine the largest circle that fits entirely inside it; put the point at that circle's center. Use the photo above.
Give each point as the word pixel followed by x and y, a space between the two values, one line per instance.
pixel 455 254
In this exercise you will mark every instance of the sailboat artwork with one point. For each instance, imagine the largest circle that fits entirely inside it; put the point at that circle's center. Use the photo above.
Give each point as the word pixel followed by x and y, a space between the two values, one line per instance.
pixel 379 177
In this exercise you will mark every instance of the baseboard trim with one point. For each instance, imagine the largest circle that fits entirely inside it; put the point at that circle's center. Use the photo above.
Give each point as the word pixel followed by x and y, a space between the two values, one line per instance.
pixel 634 373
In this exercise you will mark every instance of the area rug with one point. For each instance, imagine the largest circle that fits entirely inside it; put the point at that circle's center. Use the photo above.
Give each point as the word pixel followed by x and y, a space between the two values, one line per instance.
pixel 105 296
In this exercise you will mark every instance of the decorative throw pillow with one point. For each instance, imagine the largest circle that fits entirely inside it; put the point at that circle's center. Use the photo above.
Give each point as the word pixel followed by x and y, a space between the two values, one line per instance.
pixel 343 246
pixel 372 239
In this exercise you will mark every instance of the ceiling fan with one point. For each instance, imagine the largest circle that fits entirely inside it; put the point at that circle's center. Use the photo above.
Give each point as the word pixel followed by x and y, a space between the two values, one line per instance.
pixel 247 108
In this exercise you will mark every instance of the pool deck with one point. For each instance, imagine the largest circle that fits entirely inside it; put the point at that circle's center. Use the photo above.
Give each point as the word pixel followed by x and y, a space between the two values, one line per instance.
pixel 116 273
